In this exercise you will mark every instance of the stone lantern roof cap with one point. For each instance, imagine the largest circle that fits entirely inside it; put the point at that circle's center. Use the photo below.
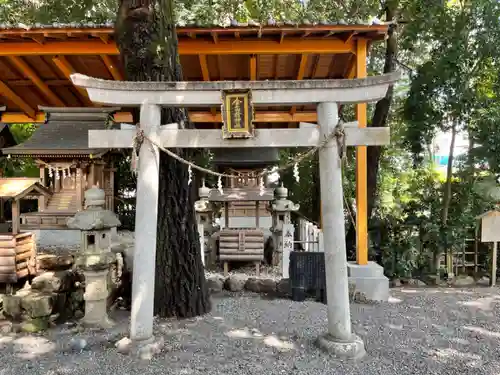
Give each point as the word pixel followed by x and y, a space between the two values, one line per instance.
pixel 281 192
pixel 94 220
pixel 95 197
pixel 95 216
pixel 204 192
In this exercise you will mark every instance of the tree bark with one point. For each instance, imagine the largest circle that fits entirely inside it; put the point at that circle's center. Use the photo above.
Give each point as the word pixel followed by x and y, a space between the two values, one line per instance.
pixel 147 41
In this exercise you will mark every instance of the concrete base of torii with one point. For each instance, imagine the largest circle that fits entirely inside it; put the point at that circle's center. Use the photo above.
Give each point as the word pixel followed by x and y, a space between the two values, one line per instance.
pixel 369 280
pixel 351 349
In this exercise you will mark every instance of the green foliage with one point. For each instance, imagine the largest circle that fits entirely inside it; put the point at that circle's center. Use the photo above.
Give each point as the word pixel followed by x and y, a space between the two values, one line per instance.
pixel 14 167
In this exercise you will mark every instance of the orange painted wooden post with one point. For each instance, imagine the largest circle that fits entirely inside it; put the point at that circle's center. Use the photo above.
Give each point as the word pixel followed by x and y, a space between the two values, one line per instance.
pixel 361 168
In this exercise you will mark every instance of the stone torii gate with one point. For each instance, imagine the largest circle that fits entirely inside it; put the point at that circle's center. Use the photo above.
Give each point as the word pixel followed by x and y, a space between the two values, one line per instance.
pixel 327 94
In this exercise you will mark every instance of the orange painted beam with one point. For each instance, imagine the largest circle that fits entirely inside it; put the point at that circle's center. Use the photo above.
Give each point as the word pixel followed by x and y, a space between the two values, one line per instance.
pixel 10 95
pixel 113 70
pixel 24 68
pixel 186 47
pixel 123 117
pixel 253 68
pixel 361 166
pixel 195 117
pixel 20 118
pixel 300 75
pixel 65 67
pixel 351 68
pixel 266 116
pixel 91 47
pixel 205 73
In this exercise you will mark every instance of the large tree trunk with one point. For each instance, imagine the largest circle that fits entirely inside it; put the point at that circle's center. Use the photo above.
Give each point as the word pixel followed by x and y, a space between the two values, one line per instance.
pixel 147 41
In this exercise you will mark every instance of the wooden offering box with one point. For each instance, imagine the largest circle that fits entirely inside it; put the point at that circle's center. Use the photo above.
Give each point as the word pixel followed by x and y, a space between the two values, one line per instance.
pixel 17 256
pixel 241 244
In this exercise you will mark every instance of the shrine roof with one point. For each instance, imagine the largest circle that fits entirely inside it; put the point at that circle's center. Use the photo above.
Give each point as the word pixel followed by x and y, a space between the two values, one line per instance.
pixel 20 187
pixel 37 60
pixel 65 133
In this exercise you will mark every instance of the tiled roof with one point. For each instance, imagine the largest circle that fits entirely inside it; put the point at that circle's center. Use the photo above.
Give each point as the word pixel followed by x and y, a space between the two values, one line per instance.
pixel 66 133
pixel 228 24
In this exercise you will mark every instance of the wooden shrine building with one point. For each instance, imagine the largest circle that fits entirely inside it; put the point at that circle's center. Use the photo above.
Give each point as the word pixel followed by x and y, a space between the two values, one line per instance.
pixel 36 62
pixel 67 166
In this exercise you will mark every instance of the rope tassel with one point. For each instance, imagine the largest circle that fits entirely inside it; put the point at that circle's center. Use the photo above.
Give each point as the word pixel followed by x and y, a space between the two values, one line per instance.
pixel 137 144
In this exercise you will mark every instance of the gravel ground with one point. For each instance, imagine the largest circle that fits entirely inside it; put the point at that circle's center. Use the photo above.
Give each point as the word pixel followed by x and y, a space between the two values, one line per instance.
pixel 420 331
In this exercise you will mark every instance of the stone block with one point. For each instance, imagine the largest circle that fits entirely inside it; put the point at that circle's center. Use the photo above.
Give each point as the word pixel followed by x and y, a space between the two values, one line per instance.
pixel 464 281
pixel 368 282
pixel 52 262
pixel 283 288
pixel 260 285
pixel 236 283
pixel 215 283
pixel 415 282
pixel 54 281
pixel 12 306
pixel 6 327
pixel 35 325
pixel 37 305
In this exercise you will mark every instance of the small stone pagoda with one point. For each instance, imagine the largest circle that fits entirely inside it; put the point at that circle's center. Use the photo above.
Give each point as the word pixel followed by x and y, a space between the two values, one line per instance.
pixel 96 224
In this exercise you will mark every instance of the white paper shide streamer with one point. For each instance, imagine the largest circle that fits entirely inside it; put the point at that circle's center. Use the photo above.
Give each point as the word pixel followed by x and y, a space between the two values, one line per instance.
pixel 296 172
pixel 219 185
pixel 190 174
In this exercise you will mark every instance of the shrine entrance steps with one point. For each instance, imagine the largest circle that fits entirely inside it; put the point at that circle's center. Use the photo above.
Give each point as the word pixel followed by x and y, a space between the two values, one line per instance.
pixel 61 206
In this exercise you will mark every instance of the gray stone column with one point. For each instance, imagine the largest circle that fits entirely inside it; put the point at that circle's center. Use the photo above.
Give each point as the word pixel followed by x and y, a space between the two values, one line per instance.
pixel 148 179
pixel 96 294
pixel 339 340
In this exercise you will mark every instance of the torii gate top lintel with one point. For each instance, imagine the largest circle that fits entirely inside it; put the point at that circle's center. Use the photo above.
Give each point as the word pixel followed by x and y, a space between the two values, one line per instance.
pixel 181 94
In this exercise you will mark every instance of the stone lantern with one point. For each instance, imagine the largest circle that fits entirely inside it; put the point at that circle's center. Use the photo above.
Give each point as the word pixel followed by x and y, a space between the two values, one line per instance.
pixel 281 208
pixel 205 211
pixel 204 208
pixel 96 225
